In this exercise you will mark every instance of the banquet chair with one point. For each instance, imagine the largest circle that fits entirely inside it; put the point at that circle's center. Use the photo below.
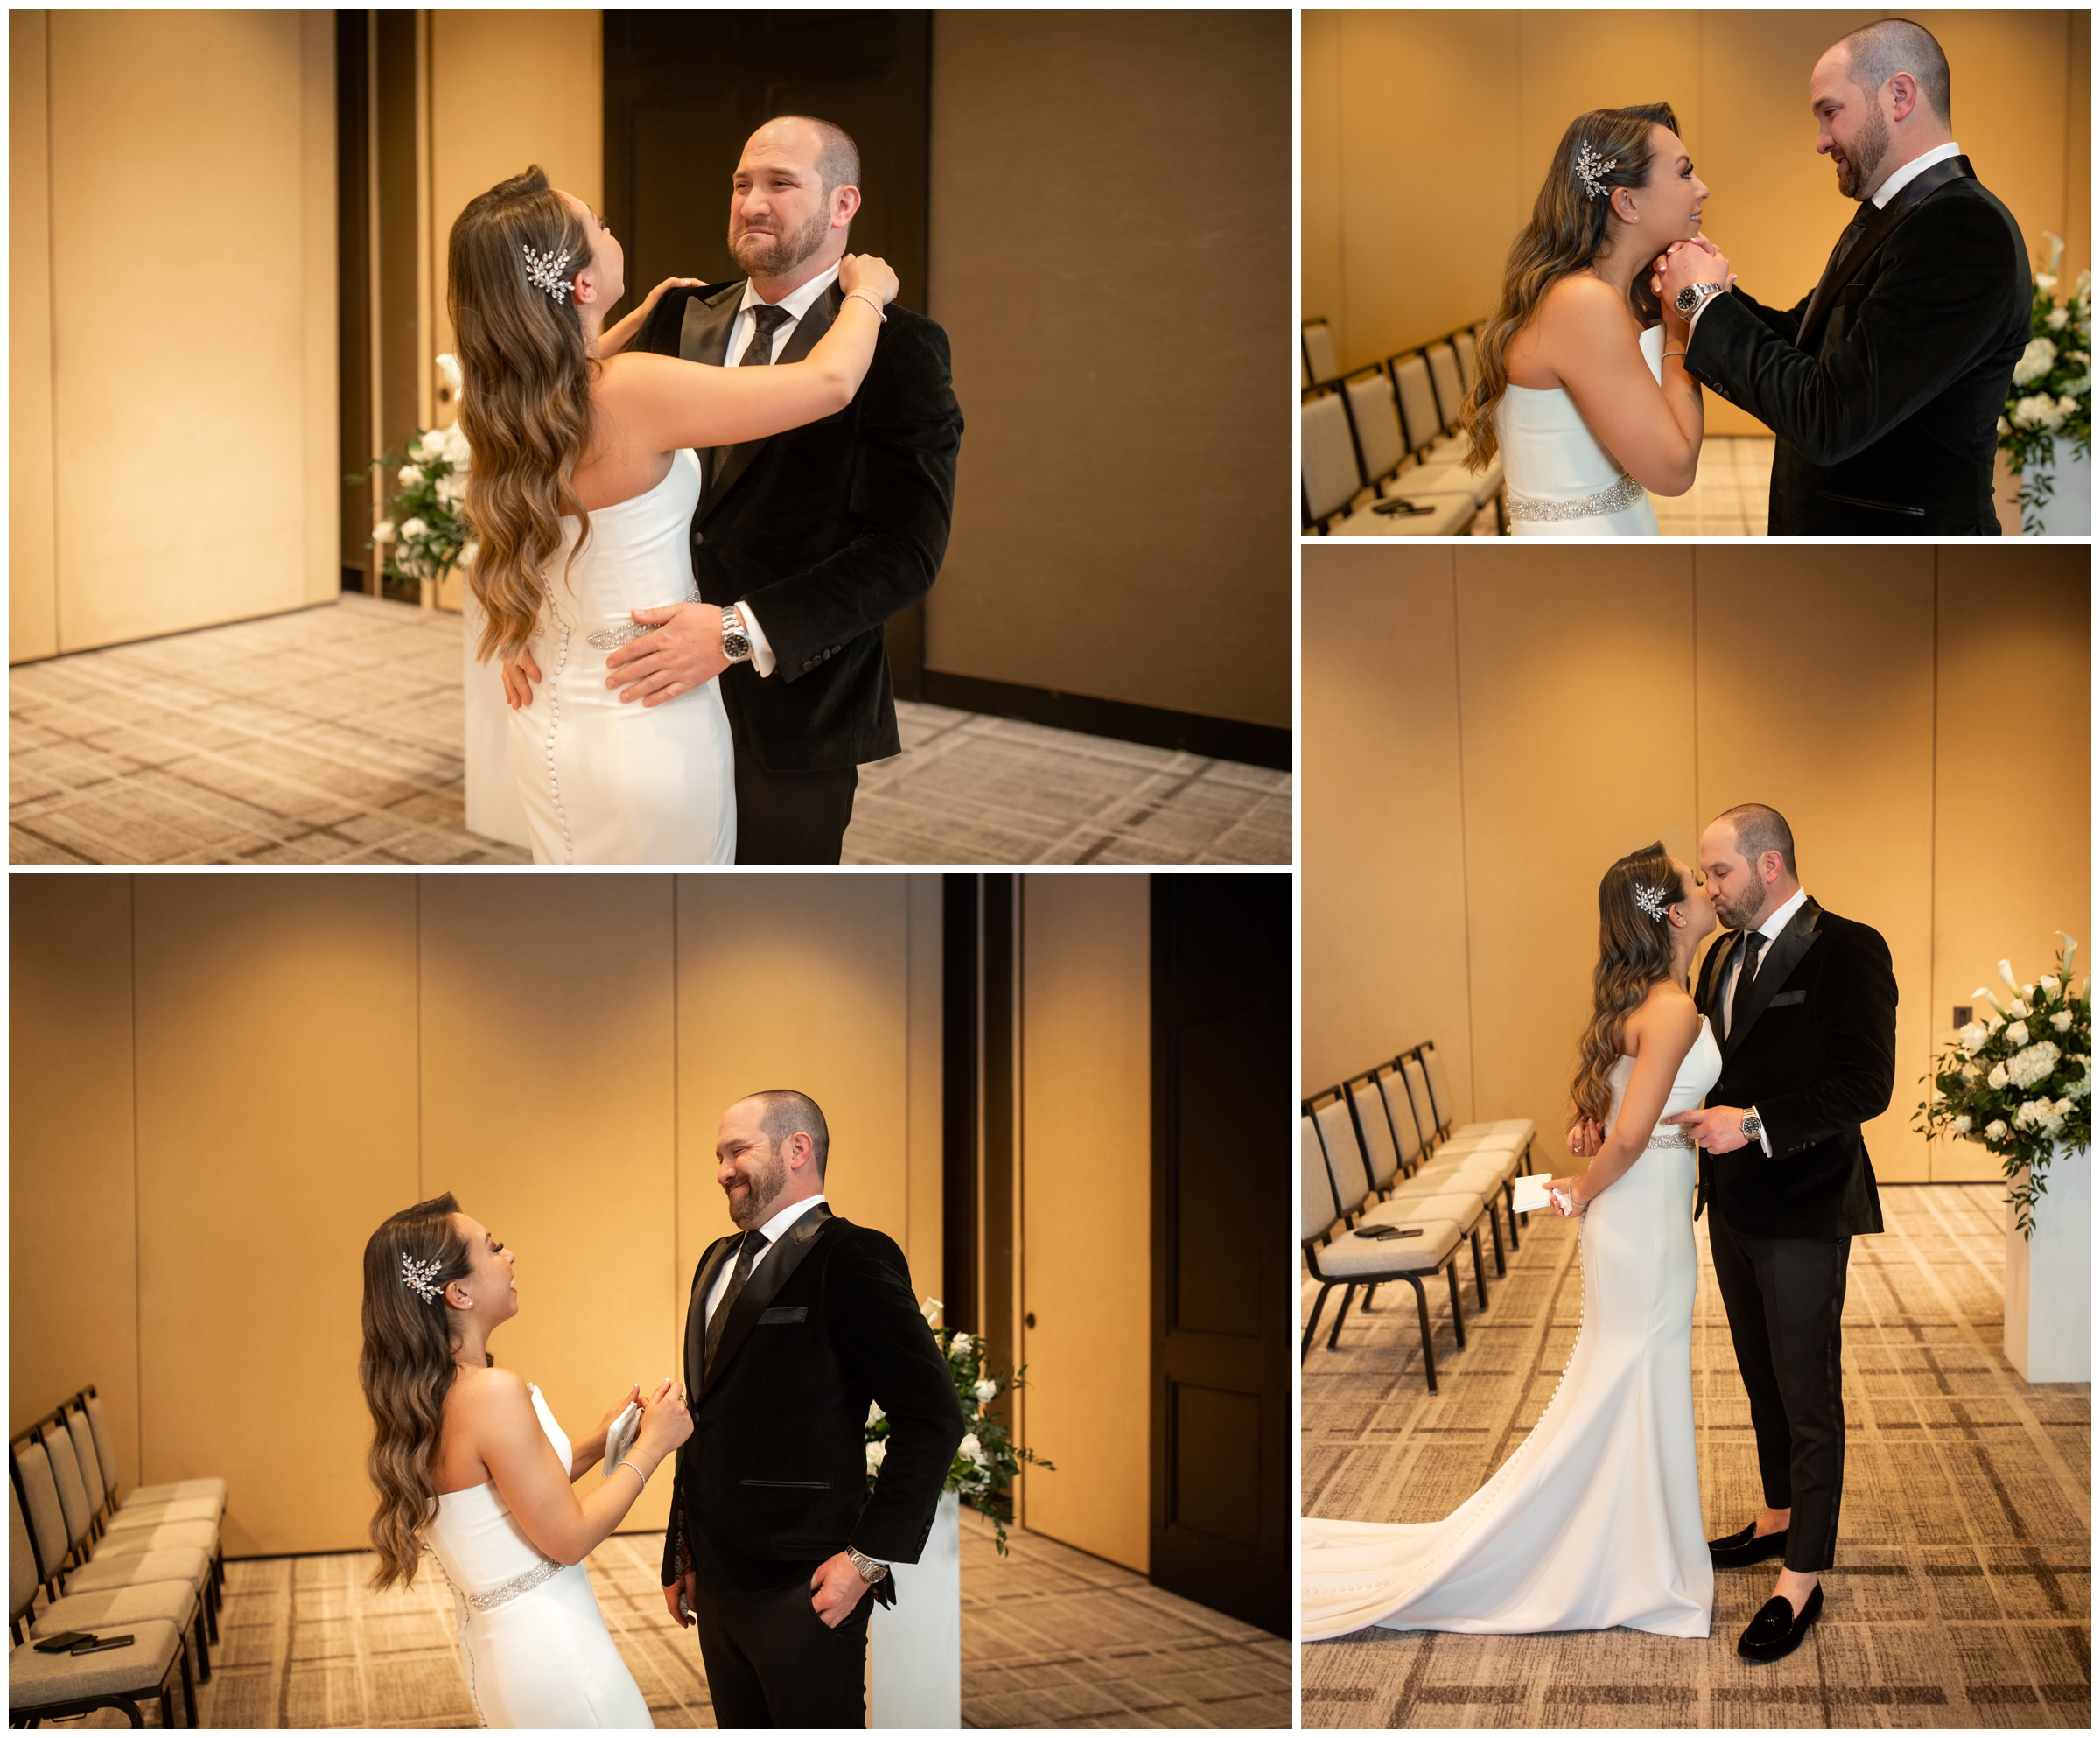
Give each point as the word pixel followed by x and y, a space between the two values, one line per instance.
pixel 61 1685
pixel 1468 345
pixel 1508 1154
pixel 1475 1179
pixel 136 1528
pixel 1316 349
pixel 1416 1160
pixel 1431 421
pixel 148 1495
pixel 1453 1194
pixel 1335 1256
pixel 1330 477
pixel 1443 1105
pixel 1450 492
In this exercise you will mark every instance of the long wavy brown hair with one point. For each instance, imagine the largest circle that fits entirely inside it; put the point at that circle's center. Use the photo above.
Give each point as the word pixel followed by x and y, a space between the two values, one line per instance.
pixel 525 397
pixel 1566 232
pixel 1632 956
pixel 407 1369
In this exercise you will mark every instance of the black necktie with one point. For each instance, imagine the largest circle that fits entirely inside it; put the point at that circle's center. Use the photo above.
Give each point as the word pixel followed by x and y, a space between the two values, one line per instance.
pixel 1738 1003
pixel 747 1257
pixel 1868 211
pixel 766 319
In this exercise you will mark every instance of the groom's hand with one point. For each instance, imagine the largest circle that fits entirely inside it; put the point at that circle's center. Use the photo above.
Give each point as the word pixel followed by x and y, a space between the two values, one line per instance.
pixel 678 1598
pixel 1696 263
pixel 835 1589
pixel 683 654
pixel 1718 1128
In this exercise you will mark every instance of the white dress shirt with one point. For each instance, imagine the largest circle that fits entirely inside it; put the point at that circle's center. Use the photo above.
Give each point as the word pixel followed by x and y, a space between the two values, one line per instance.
pixel 1770 930
pixel 797 302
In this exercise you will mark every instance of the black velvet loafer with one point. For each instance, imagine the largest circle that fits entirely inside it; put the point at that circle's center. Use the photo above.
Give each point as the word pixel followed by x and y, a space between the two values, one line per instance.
pixel 1739 1549
pixel 1775 1632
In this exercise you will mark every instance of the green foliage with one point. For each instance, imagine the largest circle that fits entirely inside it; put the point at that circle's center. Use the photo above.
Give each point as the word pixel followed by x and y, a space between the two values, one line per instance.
pixel 2020 1081
pixel 425 531
pixel 2051 397
pixel 985 1478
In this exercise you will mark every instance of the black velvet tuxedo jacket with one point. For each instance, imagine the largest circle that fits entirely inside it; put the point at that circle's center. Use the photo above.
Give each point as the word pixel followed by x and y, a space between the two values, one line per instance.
pixel 827 531
pixel 1815 1053
pixel 774 1479
pixel 1886 385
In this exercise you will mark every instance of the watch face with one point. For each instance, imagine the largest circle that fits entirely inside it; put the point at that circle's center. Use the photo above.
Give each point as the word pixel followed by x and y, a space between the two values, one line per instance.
pixel 1688 300
pixel 735 645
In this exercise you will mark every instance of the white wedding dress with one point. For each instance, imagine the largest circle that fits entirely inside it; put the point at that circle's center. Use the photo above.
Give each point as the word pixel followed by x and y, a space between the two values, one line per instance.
pixel 1594 1521
pixel 531 1637
pixel 1560 480
pixel 604 782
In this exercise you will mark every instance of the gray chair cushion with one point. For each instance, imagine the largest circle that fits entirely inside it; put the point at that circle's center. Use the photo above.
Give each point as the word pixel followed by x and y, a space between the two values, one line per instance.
pixel 134 1541
pixel 181 1488
pixel 46 1518
pixel 137 1514
pixel 1462 1207
pixel 184 1563
pixel 22 1578
pixel 169 1602
pixel 1328 454
pixel 36 1681
pixel 1377 1133
pixel 1393 1089
pixel 1352 1181
pixel 1315 1193
pixel 83 1452
pixel 1350 1257
pixel 1444 372
pixel 1377 420
pixel 1448 516
pixel 73 1495
pixel 105 1441
pixel 1320 350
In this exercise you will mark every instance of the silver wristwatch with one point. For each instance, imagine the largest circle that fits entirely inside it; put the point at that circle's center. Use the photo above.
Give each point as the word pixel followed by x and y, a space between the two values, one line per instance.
pixel 1753 1127
pixel 736 643
pixel 870 1570
pixel 1693 297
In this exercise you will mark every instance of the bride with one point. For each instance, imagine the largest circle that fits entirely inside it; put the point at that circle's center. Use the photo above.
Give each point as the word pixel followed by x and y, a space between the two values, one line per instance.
pixel 1582 384
pixel 469 1461
pixel 581 499
pixel 1594 1522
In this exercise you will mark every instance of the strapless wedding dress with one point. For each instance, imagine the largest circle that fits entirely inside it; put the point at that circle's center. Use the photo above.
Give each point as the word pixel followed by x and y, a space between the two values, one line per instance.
pixel 531 1636
pixel 604 782
pixel 1560 480
pixel 1594 1521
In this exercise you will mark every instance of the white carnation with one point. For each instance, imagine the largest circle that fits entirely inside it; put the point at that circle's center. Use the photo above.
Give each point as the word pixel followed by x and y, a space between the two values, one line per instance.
pixel 986 1390
pixel 383 532
pixel 1995 1130
pixel 409 476
pixel 2035 361
pixel 456 448
pixel 1961 1125
pixel 2040 412
pixel 451 490
pixel 1974 1036
pixel 432 445
pixel 2061 1020
pixel 413 528
pixel 1998 1078
pixel 970 1449
pixel 2067 405
pixel 2018 1031
pixel 2032 1065
pixel 2059 317
pixel 876 1451
pixel 960 1346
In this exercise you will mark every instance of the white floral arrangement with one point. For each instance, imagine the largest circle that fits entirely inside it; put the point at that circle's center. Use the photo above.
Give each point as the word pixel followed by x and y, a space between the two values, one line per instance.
pixel 426 529
pixel 2052 393
pixel 2020 1079
pixel 987 1460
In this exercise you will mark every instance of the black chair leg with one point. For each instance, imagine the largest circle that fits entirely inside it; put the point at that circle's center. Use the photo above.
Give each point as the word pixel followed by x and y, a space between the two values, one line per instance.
pixel 1509 1194
pixel 1347 1292
pixel 1480 1273
pixel 167 1712
pixel 1369 1291
pixel 189 1688
pixel 1457 1315
pixel 1320 1303
pixel 204 1654
pixel 211 1612
pixel 1495 1230
pixel 1428 1356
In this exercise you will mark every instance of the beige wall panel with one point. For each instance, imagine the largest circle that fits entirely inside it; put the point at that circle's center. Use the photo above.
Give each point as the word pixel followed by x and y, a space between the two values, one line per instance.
pixel 1415 262
pixel 2078 148
pixel 1573 664
pixel 549 1109
pixel 2014 635
pixel 1383 932
pixel 1131 467
pixel 181 458
pixel 32 596
pixel 797 981
pixel 511 86
pixel 1835 729
pixel 322 503
pixel 72 1251
pixel 1086 1138
pixel 1568 62
pixel 1320 163
pixel 276 1128
pixel 923 1156
pixel 2012 86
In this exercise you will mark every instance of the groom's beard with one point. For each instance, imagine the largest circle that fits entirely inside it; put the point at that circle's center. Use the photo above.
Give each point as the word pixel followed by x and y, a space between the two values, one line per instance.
pixel 1863 157
pixel 762 253
pixel 1741 916
pixel 763 1185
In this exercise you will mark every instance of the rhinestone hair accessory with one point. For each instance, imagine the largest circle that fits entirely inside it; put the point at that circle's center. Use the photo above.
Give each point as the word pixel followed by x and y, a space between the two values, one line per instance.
pixel 421 1277
pixel 544 271
pixel 1591 169
pixel 1651 900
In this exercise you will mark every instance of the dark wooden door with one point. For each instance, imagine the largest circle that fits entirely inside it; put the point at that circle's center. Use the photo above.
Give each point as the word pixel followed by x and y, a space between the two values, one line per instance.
pixel 1222 1244
pixel 683 91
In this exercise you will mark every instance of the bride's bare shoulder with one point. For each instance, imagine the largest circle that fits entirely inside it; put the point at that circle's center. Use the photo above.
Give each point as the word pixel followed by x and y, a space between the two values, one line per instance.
pixel 1668 1017
pixel 1582 306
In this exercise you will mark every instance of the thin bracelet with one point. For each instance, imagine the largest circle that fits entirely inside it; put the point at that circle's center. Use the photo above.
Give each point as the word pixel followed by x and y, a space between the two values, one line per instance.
pixel 636 1470
pixel 864 296
pixel 1667 355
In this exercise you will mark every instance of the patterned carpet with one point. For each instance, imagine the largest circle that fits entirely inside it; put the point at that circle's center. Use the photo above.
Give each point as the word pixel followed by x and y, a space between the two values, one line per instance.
pixel 334 735
pixel 1050 1637
pixel 1962 1593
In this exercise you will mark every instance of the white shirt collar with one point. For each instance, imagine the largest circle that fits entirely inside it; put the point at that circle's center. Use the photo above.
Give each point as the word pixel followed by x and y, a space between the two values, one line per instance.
pixel 1779 919
pixel 1901 178
pixel 776 1228
pixel 798 301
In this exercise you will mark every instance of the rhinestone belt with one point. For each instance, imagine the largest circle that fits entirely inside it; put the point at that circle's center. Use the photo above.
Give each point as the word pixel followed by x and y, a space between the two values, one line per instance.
pixel 1668 1138
pixel 489 1598
pixel 1621 494
pixel 611 639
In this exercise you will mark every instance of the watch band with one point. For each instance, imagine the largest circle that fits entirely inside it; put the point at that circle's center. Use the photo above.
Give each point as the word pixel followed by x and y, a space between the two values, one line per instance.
pixel 736 643
pixel 1700 293
pixel 869 1570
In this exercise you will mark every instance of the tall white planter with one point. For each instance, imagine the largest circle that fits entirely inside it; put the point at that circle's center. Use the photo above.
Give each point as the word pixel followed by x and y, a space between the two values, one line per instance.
pixel 2069 511
pixel 494 808
pixel 2049 1278
pixel 915 1650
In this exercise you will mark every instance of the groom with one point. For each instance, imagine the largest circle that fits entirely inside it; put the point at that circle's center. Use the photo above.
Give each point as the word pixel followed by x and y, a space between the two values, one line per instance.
pixel 1804 1004
pixel 1886 384
pixel 804 543
pixel 775 1542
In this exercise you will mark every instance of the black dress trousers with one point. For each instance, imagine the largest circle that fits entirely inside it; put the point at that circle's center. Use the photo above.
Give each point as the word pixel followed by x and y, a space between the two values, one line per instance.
pixel 1785 1297
pixel 772 1661
pixel 794 816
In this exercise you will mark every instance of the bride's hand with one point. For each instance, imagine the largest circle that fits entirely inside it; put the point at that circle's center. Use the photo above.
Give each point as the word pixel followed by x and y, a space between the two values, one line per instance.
pixel 1585 1138
pixel 613 1412
pixel 864 271
pixel 519 674
pixel 1565 1185
pixel 665 1422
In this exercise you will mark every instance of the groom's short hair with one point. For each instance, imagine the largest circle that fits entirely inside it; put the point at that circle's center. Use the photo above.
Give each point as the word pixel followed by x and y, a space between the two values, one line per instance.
pixel 789 1113
pixel 838 157
pixel 1876 53
pixel 1760 829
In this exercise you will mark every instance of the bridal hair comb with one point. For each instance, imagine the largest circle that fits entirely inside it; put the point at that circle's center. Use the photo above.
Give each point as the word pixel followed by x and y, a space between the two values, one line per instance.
pixel 1591 169
pixel 542 271
pixel 421 1277
pixel 1653 900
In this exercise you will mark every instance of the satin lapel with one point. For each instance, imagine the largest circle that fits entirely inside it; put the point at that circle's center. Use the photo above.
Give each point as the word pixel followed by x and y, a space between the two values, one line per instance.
pixel 1914 195
pixel 1774 971
pixel 730 462
pixel 1712 969
pixel 764 1284
pixel 696 1314
pixel 703 337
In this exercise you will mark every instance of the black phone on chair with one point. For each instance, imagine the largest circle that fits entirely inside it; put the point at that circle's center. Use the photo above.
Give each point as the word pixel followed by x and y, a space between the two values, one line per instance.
pixel 101 1644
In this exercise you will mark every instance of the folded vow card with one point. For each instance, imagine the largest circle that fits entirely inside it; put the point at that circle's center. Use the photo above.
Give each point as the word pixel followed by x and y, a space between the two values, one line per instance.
pixel 621 1437
pixel 1530 1195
